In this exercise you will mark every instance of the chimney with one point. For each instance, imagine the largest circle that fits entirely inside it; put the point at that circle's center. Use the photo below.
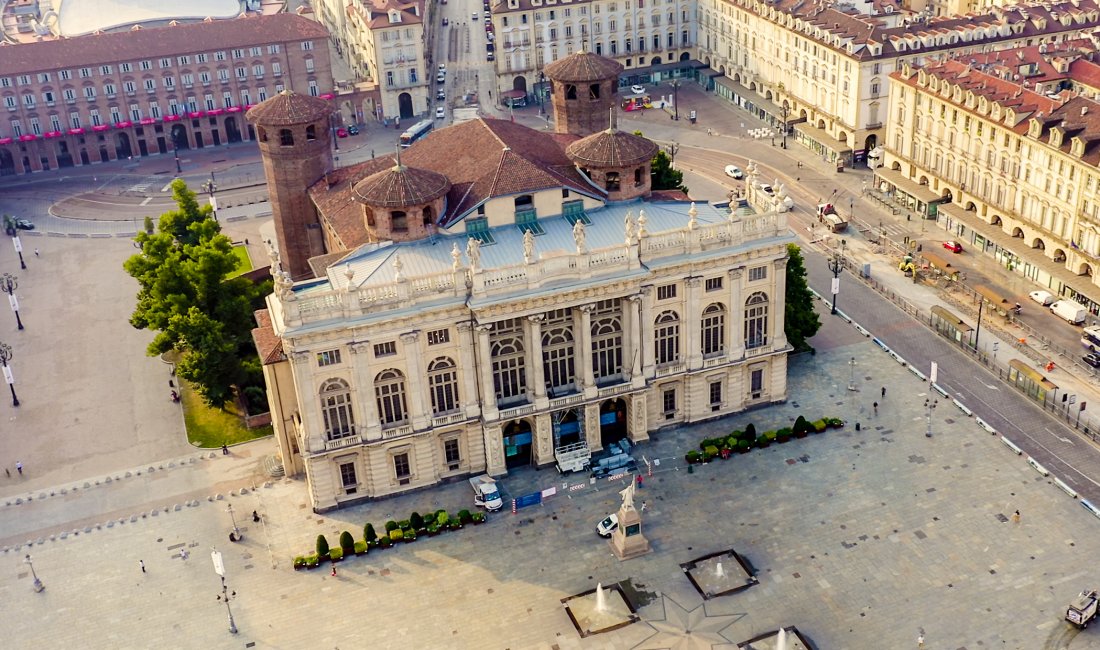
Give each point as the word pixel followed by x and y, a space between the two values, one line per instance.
pixel 1084 110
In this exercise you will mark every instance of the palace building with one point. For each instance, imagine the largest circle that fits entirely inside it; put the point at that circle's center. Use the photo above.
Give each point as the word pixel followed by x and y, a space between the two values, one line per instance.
pixel 493 292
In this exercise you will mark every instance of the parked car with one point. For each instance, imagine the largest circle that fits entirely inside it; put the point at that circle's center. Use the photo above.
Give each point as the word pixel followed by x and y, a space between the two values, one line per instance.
pixel 489 56
pixel 341 132
pixel 440 78
pixel 443 68
pixel 953 246
pixel 1093 359
pixel 608 525
pixel 733 171
pixel 440 113
pixel 637 89
pixel 441 95
pixel 353 130
pixel 473 15
pixel 446 22
pixel 23 224
pixel 489 47
pixel 1044 298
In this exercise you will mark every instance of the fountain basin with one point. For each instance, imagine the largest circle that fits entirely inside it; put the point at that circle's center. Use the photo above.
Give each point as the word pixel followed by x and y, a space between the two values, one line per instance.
pixel 720 574
pixel 589 618
pixel 785 638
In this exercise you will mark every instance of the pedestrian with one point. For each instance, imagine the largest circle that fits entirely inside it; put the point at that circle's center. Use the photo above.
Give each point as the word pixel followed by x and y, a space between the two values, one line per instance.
pixel 333 569
pixel 875 406
pixel 643 506
pixel 7 471
pixel 142 563
pixel 19 467
pixel 255 517
pixel 639 480
pixel 225 450
pixel 183 554
pixel 1016 517
pixel 920 641
pixel 884 392
pixel 36 252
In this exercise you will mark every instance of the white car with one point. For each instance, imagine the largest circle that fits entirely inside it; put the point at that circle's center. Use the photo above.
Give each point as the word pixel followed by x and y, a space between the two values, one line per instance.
pixel 440 113
pixel 474 15
pixel 607 526
pixel 733 171
pixel 1044 298
pixel 637 89
pixel 443 68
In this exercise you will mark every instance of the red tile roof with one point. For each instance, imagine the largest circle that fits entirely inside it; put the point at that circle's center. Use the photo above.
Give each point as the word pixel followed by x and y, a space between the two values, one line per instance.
pixel 150 43
pixel 268 344
pixel 287 108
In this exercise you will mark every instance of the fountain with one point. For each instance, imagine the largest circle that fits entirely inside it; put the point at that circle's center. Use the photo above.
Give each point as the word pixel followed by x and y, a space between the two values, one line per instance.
pixel 719 574
pixel 719 571
pixel 781 640
pixel 602 609
pixel 601 598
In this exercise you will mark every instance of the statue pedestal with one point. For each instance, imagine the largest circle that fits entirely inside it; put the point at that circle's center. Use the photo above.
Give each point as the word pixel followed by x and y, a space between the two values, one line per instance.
pixel 627 541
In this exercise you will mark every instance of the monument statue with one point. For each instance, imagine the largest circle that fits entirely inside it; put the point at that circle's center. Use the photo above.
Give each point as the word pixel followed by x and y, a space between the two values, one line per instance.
pixel 628 497
pixel 473 252
pixel 456 257
pixel 628 227
pixel 579 236
pixel 528 247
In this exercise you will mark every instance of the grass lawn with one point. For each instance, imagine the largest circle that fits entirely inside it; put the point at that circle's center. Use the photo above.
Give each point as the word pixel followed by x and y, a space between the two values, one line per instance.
pixel 212 428
pixel 244 264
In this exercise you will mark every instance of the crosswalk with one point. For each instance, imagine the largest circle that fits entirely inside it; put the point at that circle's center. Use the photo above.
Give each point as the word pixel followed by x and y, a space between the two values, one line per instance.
pixel 143 185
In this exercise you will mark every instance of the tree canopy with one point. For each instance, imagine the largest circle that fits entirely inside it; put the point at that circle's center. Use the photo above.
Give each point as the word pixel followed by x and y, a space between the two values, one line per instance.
pixel 801 321
pixel 188 299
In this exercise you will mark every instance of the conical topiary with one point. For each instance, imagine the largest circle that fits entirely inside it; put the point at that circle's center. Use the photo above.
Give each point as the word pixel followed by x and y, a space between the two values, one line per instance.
pixel 322 546
pixel 416 522
pixel 368 534
pixel 347 543
pixel 750 432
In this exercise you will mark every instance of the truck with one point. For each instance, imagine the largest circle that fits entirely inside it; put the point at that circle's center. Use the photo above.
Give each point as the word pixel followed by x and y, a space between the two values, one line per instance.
pixel 1083 609
pixel 486 494
pixel 827 214
pixel 613 464
pixel 1072 312
pixel 575 457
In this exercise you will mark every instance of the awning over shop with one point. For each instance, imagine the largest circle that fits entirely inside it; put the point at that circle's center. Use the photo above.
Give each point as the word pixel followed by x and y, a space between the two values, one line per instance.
pixel 953 211
pixel 822 137
pixel 745 94
pixel 910 187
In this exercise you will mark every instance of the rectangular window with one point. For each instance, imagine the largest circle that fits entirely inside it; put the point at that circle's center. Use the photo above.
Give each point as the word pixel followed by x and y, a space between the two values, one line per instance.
pixel 223 76
pixel 256 51
pixel 714 284
pixel 74 119
pixel 758 273
pixel 309 65
pixel 204 77
pixel 307 45
pixel 85 72
pixel 146 65
pixel 28 100
pixel 401 467
pixel 105 70
pixel 328 358
pixel 150 84
pixel 55 123
pixel 170 82
pixel 436 337
pixel 166 63
pixel 65 75
pixel 666 292
pixel 208 99
pixel 130 87
pixel 258 71
pixel 386 349
pixel 277 69
pixel 135 112
pixel 668 402
pixel 715 393
pixel 242 73
pixel 219 56
pixel 347 477
pixel 756 383
pixel 201 58
pixel 313 90
pixel 154 110
pixel 238 54
pixel 451 454
pixel 43 77
pixel 16 128
pixel 187 79
pixel 183 60
pixel 273 49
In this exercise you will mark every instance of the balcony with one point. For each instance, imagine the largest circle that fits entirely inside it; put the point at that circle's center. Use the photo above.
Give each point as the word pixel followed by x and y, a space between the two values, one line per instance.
pixel 397 432
pixel 341 443
pixel 568 400
pixel 517 412
pixel 49 103
pixel 715 360
pixel 670 368
pixel 759 350
pixel 448 418
pixel 70 100
pixel 615 389
pixel 873 125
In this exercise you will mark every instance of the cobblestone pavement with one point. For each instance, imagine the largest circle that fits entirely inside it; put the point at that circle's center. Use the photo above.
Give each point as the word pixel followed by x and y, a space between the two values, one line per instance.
pixel 859 537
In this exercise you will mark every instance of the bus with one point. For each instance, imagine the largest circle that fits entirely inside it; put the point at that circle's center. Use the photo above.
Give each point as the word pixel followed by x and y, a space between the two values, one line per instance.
pixel 1090 338
pixel 415 132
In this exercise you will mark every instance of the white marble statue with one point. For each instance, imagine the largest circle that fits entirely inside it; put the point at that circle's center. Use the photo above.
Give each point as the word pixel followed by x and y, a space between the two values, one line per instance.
pixel 579 236
pixel 628 227
pixel 628 496
pixel 528 247
pixel 456 257
pixel 473 252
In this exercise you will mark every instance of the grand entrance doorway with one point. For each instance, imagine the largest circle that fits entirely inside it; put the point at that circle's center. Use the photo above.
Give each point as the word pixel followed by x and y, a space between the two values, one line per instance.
pixel 612 421
pixel 567 427
pixel 405 106
pixel 517 443
pixel 232 131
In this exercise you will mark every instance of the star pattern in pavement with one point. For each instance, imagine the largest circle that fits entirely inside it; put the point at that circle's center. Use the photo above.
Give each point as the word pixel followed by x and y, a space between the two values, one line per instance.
pixel 687 630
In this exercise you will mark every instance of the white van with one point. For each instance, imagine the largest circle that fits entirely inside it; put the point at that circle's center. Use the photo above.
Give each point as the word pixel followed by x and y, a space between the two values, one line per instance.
pixel 1072 312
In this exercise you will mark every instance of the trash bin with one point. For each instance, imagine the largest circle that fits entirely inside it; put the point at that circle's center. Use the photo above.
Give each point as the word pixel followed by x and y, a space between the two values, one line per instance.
pixel 865 272
pixel 857 426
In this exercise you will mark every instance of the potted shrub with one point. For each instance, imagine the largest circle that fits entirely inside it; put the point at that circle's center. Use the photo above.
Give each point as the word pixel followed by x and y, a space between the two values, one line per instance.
pixel 693 457
pixel 408 536
pixel 416 522
pixel 743 447
pixel 464 516
pixel 385 542
pixel 835 423
pixel 478 518
pixel 709 453
pixel 336 554
pixel 782 435
pixel 769 435
pixel 369 536
pixel 396 535
pixel 454 523
pixel 391 525
pixel 763 442
pixel 442 519
pixel 312 561
pixel 704 443
pixel 322 546
pixel 725 451
pixel 432 529
pixel 299 563
pixel 361 548
pixel 404 524
pixel 347 543
pixel 750 433
pixel 819 425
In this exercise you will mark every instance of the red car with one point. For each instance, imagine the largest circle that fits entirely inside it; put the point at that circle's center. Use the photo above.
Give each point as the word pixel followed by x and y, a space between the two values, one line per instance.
pixel 953 246
pixel 341 133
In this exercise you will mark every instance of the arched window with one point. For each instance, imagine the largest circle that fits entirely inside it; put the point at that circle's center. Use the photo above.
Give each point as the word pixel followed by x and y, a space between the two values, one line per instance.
pixel 428 214
pixel 336 409
pixel 443 384
pixel 714 330
pixel 286 138
pixel 557 359
pixel 389 390
pixel 612 181
pixel 509 373
pixel 262 133
pixel 399 221
pixel 524 202
pixel 570 91
pixel 638 176
pixel 756 320
pixel 607 348
pixel 311 132
pixel 666 335
pixel 594 89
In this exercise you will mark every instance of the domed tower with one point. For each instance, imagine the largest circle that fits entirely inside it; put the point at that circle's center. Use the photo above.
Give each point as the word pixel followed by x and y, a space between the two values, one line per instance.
pixel 402 203
pixel 616 161
pixel 296 146
pixel 582 89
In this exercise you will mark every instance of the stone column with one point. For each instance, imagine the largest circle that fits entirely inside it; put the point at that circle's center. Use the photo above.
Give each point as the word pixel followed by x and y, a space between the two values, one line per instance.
pixel 638 424
pixel 366 404
pixel 543 443
pixel 737 314
pixel 584 355
pixel 632 345
pixel 494 450
pixel 693 321
pixel 779 334
pixel 468 390
pixel 489 409
pixel 648 353
pixel 308 402
pixel 536 381
pixel 592 426
pixel 419 409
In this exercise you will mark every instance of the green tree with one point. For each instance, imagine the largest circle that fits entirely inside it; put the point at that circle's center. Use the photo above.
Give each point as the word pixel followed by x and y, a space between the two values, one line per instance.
pixel 347 544
pixel 801 321
pixel 663 176
pixel 322 546
pixel 185 297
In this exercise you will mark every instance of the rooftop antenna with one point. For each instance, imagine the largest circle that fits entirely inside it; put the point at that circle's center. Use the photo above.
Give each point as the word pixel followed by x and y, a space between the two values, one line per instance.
pixel 611 119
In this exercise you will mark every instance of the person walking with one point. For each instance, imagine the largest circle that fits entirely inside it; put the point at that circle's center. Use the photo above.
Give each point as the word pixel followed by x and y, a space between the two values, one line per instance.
pixel 920 641
pixel 142 563
pixel 19 467
pixel 875 406
pixel 333 569
pixel 225 450
pixel 1016 517
pixel 884 392
pixel 36 252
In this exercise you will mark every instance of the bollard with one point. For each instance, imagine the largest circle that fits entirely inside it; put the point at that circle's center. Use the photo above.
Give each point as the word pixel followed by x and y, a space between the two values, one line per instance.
pixel 691 469
pixel 857 426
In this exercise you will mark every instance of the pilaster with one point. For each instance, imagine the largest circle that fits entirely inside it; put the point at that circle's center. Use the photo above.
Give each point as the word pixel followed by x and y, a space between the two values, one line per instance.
pixel 632 348
pixel 779 334
pixel 494 450
pixel 419 414
pixel 365 405
pixel 737 314
pixel 693 322
pixel 536 380
pixel 543 446
pixel 638 423
pixel 648 365
pixel 309 402
pixel 489 409
pixel 588 378
pixel 468 390
pixel 592 426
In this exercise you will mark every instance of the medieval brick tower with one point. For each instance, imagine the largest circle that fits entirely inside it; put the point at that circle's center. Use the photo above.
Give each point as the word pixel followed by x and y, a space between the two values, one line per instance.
pixel 582 91
pixel 296 145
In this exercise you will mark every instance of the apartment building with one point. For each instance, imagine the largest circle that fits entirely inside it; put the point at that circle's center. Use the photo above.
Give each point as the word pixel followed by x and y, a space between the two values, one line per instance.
pixel 821 70
pixel 150 91
pixel 651 39
pixel 1005 159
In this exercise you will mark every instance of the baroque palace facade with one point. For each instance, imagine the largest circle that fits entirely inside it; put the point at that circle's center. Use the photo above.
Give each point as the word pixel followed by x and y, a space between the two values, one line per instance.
pixel 494 292
pixel 1003 150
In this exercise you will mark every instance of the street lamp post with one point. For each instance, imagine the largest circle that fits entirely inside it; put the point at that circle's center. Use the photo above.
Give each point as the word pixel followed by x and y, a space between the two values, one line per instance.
pixel 672 149
pixel 786 110
pixel 176 153
pixel 541 90
pixel 19 249
pixel 929 406
pixel 233 517
pixel 5 357
pixel 852 375
pixel 675 83
pixel 210 187
pixel 835 265
pixel 38 586
pixel 9 283
pixel 219 568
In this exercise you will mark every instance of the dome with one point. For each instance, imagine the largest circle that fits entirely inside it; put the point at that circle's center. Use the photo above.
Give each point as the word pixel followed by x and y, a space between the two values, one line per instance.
pixel 611 149
pixel 289 108
pixel 401 186
pixel 583 66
